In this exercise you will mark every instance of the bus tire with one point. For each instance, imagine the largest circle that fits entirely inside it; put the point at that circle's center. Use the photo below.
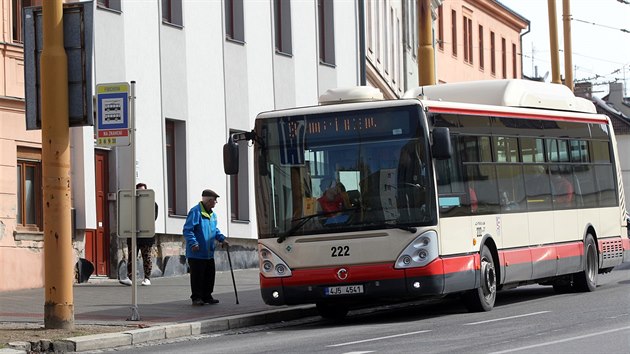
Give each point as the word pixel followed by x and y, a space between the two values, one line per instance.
pixel 332 312
pixel 586 280
pixel 483 298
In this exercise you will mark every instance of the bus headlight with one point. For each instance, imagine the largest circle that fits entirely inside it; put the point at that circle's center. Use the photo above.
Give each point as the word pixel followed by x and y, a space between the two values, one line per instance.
pixel 423 249
pixel 271 266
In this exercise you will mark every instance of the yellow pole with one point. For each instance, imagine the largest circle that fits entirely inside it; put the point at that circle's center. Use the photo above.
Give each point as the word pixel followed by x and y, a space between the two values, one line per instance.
pixel 553 42
pixel 568 51
pixel 58 252
pixel 426 60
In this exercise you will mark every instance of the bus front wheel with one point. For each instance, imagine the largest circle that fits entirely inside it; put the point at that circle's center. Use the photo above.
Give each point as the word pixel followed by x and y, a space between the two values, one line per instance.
pixel 483 298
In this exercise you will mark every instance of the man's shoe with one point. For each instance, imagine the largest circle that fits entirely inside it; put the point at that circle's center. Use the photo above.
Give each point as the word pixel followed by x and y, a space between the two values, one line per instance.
pixel 197 302
pixel 211 301
pixel 126 281
pixel 146 282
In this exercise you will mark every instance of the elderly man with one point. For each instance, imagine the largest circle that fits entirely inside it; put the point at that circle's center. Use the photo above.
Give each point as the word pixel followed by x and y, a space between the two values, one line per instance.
pixel 200 232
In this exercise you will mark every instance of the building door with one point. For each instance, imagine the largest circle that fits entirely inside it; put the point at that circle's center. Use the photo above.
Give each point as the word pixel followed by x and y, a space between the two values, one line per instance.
pixel 97 241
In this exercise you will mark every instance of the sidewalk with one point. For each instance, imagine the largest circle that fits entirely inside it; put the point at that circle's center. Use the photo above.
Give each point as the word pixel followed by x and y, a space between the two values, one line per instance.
pixel 164 307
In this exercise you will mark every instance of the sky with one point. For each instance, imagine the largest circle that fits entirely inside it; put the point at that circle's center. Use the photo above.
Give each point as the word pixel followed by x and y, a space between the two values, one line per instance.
pixel 601 48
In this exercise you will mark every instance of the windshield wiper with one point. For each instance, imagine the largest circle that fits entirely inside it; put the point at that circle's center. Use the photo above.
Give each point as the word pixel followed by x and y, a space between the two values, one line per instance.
pixel 391 225
pixel 305 219
pixel 302 221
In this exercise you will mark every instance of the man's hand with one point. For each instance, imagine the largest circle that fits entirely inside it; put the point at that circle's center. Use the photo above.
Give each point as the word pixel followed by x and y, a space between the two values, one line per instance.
pixel 195 248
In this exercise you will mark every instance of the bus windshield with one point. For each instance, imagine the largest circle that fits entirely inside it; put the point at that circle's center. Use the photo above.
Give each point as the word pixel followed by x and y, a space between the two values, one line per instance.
pixel 343 171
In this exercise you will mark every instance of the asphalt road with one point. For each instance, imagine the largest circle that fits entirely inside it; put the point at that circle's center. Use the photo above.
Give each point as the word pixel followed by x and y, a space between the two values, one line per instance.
pixel 530 319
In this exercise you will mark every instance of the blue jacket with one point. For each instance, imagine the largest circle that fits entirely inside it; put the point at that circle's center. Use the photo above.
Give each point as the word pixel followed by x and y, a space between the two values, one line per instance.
pixel 201 229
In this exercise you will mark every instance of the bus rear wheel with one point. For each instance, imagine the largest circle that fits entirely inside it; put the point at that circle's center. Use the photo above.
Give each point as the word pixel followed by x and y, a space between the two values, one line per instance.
pixel 483 298
pixel 586 280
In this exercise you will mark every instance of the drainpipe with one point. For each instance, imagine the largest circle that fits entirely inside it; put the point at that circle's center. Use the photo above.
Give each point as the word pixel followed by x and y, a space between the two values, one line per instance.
pixel 529 28
pixel 362 59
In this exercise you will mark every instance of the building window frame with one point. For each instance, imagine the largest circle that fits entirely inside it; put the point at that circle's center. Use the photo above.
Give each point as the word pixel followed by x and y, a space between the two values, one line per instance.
pixel 503 58
pixel 173 12
pixel 29 215
pixel 468 33
pixel 454 31
pixel 234 21
pixel 440 39
pixel 113 5
pixel 239 186
pixel 514 70
pixel 282 26
pixel 493 58
pixel 176 167
pixel 481 49
pixel 325 12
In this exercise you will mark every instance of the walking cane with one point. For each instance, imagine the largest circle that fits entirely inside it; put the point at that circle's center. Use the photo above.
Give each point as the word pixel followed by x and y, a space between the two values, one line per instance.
pixel 232 271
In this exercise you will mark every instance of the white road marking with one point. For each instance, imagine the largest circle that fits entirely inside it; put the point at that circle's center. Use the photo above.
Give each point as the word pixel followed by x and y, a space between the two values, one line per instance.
pixel 375 339
pixel 562 340
pixel 369 351
pixel 506 318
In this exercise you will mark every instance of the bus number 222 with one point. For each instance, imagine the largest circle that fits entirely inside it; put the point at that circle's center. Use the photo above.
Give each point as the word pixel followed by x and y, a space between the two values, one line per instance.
pixel 340 251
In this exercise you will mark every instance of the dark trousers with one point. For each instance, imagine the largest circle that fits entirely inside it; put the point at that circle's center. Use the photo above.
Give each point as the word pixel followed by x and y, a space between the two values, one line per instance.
pixel 202 274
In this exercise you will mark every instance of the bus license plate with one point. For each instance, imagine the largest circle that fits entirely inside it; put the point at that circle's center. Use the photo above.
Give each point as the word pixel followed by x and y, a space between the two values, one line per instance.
pixel 343 290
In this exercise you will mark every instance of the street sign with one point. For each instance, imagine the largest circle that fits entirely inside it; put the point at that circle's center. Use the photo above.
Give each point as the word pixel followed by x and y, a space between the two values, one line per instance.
pixel 145 211
pixel 78 29
pixel 112 114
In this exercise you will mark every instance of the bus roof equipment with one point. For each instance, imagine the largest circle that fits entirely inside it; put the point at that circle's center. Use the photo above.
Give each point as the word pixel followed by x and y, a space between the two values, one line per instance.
pixel 510 93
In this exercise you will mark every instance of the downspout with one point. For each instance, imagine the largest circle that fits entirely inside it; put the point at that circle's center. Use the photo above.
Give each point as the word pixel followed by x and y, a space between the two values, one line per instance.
pixel 362 80
pixel 529 28
pixel 553 42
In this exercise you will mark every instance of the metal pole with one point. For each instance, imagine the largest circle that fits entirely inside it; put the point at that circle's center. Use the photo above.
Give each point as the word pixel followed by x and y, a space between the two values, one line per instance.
pixel 426 56
pixel 135 315
pixel 58 253
pixel 568 51
pixel 232 271
pixel 553 42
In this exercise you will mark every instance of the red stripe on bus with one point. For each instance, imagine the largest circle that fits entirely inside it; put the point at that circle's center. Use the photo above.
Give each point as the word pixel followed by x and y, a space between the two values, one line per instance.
pixel 480 112
pixel 626 243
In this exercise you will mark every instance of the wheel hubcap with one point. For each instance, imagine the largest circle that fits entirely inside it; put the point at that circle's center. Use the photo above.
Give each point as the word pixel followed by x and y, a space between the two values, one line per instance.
pixel 489 283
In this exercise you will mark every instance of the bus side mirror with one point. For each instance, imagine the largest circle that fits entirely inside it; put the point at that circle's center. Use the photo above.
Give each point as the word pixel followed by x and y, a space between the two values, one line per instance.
pixel 442 148
pixel 230 157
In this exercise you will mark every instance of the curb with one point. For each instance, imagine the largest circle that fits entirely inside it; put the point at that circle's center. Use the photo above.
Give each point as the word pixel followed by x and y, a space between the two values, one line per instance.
pixel 160 332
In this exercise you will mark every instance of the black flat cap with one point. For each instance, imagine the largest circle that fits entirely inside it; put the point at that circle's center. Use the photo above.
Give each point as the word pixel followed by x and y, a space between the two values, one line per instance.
pixel 209 193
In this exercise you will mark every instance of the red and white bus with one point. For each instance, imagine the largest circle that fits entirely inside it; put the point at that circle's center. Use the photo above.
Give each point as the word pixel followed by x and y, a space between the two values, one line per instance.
pixel 463 188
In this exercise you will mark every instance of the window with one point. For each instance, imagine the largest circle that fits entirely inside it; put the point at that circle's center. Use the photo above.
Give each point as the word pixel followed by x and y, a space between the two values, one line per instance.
pixel 16 13
pixel 29 189
pixel 172 12
pixel 454 31
pixel 176 167
pixel 468 48
pixel 513 60
pixel 481 47
pixel 234 20
pixel 326 32
pixel 493 61
pixel 503 58
pixel 440 38
pixel 109 4
pixel 282 23
pixel 239 186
